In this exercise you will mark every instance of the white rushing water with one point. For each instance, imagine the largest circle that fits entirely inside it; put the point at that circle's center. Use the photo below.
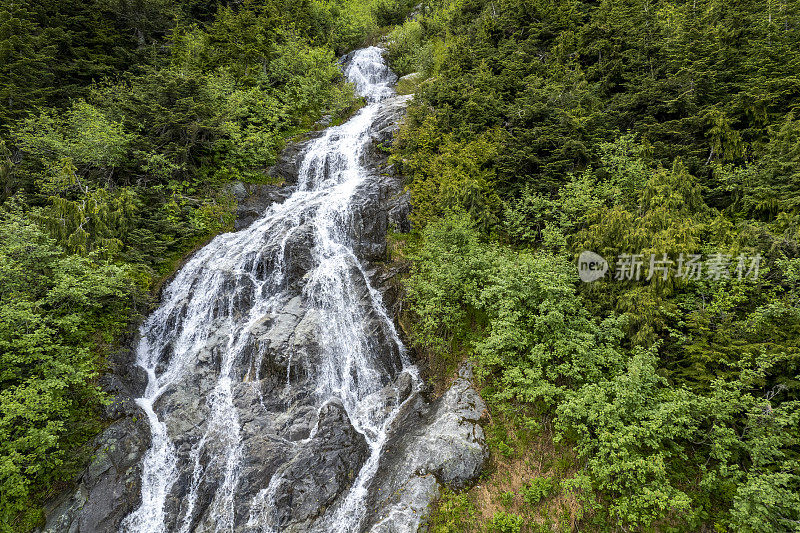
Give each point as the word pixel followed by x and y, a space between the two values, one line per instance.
pixel 225 289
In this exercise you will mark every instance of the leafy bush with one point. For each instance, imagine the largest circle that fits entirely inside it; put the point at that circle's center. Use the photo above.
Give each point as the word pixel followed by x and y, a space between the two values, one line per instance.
pixel 532 333
pixel 448 175
pixel 537 489
pixel 503 522
pixel 390 12
pixel 507 498
pixel 454 513
pixel 405 47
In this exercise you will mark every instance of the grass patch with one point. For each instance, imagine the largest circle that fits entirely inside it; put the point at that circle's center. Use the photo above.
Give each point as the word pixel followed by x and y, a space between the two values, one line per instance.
pixel 522 490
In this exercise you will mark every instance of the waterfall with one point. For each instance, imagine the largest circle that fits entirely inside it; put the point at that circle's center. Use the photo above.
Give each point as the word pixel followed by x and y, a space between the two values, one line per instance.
pixel 205 362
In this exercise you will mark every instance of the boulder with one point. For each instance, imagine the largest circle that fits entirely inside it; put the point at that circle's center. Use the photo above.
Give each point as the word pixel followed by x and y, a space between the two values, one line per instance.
pixel 441 443
pixel 320 470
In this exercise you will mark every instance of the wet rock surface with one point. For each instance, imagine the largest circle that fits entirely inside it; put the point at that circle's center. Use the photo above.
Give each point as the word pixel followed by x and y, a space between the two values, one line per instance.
pixel 288 165
pixel 253 199
pixel 319 470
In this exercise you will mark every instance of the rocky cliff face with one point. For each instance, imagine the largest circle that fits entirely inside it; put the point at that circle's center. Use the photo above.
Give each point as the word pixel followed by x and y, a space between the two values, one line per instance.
pixel 295 462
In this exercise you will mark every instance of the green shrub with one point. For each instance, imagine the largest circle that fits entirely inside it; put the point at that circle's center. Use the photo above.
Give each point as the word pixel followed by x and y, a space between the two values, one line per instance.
pixel 538 489
pixel 503 522
pixel 507 498
pixel 390 12
pixel 454 513
pixel 533 335
pixel 405 42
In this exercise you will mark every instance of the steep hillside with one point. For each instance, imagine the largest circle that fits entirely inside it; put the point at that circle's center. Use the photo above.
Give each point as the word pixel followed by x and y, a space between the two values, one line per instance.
pixel 664 137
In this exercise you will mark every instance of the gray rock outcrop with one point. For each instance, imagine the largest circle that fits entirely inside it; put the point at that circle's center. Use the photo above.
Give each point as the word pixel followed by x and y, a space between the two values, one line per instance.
pixel 109 488
pixel 441 443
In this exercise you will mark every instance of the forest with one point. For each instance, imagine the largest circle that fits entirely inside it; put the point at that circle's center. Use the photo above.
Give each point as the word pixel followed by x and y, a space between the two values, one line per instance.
pixel 538 129
pixel 543 129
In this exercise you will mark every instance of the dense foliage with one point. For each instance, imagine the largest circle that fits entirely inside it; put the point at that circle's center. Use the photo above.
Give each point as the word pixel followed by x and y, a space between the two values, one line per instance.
pixel 56 311
pixel 541 129
pixel 121 124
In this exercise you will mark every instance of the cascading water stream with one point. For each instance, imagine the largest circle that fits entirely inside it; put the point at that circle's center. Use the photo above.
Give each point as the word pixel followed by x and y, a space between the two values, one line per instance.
pixel 223 293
